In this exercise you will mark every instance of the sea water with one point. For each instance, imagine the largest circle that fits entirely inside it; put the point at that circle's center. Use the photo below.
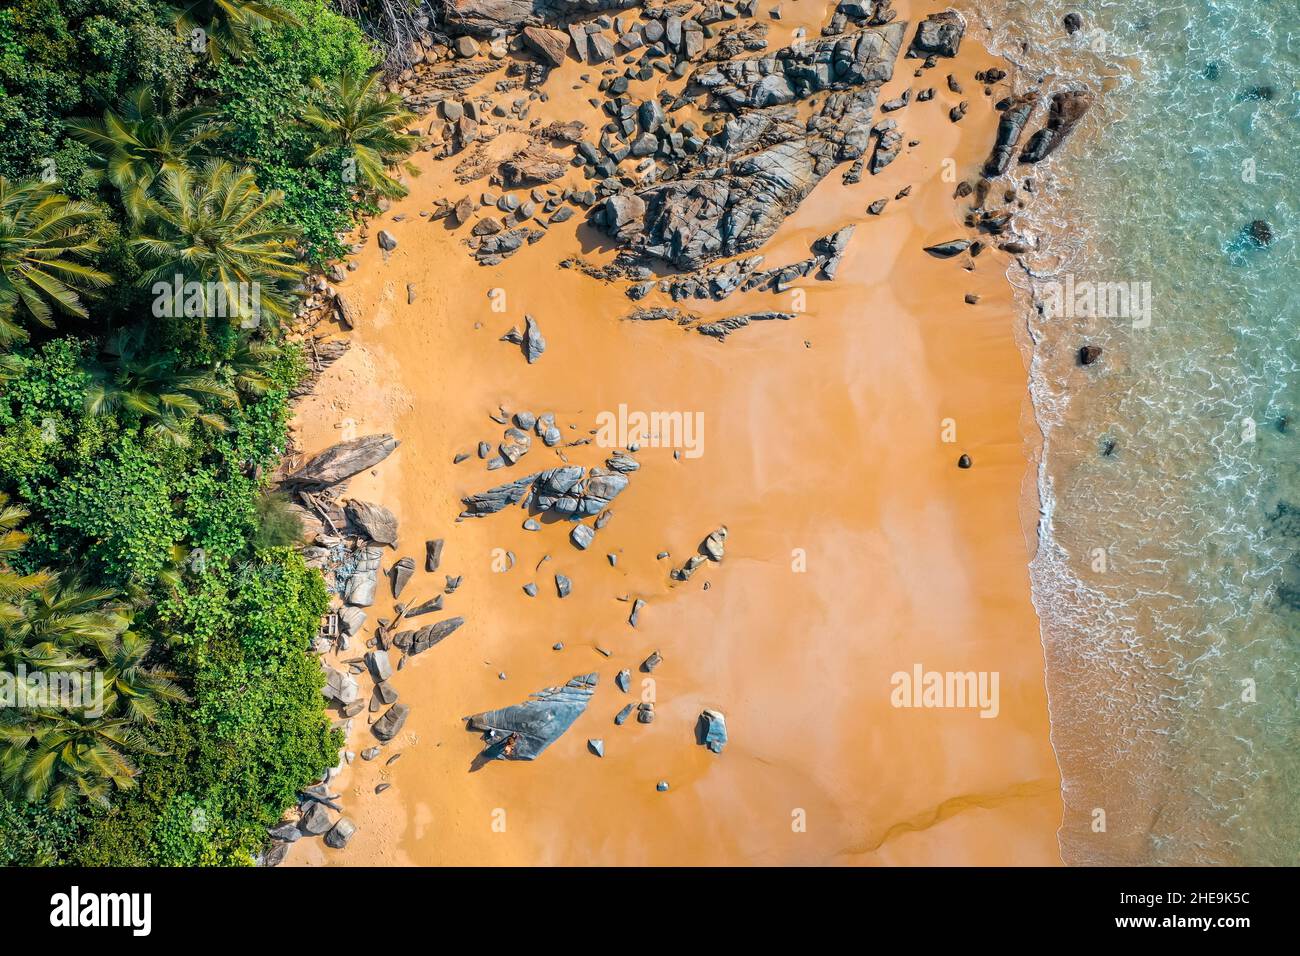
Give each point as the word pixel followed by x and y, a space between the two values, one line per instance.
pixel 1167 569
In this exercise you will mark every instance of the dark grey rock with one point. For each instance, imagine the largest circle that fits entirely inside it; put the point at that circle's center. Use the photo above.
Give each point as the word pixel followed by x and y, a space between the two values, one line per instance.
pixel 524 731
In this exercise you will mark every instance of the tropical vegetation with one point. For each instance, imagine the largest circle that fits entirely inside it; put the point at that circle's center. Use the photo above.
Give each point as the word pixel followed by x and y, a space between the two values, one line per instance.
pixel 169 173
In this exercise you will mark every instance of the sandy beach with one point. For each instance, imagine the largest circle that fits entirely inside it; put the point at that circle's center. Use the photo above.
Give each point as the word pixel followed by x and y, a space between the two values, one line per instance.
pixel 856 547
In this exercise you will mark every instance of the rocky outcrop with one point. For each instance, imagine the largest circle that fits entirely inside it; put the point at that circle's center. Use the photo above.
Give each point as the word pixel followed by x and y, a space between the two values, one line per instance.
pixel 730 196
pixel 344 460
pixel 482 17
pixel 1067 109
pixel 805 68
pixel 1010 127
pixel 568 491
pixel 524 731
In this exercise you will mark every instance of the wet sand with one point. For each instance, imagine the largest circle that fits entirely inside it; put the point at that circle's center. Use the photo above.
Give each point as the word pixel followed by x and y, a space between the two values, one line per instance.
pixel 822 449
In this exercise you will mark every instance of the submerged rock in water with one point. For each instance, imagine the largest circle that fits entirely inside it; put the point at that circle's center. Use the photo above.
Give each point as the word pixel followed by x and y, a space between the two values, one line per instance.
pixel 524 731
pixel 1089 354
pixel 1067 109
pixel 1010 127
pixel 344 460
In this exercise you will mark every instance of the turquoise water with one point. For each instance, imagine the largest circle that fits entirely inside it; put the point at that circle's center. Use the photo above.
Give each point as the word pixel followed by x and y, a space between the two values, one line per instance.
pixel 1168 573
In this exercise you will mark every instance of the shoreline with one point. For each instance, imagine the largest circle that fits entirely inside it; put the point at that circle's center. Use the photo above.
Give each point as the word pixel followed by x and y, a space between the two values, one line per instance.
pixel 919 533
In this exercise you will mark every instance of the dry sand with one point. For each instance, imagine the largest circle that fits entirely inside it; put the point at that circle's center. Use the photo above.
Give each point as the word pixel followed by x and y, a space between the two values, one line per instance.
pixel 823 438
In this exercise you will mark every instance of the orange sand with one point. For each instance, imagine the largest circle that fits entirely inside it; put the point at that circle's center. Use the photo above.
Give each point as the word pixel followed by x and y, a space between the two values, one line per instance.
pixel 834 448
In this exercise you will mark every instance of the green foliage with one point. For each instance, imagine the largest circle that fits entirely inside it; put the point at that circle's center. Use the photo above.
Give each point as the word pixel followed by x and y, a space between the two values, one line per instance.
pixel 263 98
pixel 69 57
pixel 141 443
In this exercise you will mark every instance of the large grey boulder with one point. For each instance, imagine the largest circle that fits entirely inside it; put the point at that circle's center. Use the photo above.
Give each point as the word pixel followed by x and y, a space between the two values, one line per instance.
pixel 373 521
pixel 339 834
pixel 713 730
pixel 524 731
pixel 390 725
pixel 340 686
pixel 938 35
pixel 344 460
pixel 315 821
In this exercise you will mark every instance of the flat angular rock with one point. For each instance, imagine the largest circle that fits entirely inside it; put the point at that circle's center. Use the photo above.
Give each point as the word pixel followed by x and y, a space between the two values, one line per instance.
pixel 582 536
pixel 432 554
pixel 351 621
pixel 373 521
pixel 400 574
pixel 946 250
pixel 550 45
pixel 344 460
pixel 524 731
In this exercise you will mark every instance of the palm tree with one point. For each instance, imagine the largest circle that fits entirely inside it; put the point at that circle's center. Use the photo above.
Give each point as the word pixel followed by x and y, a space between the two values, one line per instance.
pixel 42 234
pixel 222 28
pixel 131 688
pixel 216 230
pixel 367 125
pixel 247 367
pixel 128 375
pixel 139 142
pixel 66 750
pixel 60 757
